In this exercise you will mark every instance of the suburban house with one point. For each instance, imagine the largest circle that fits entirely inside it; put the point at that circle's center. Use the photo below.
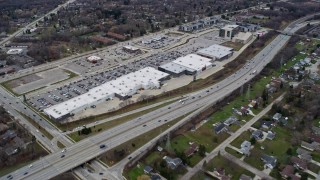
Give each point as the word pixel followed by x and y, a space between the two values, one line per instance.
pixel 230 120
pixel 147 169
pixel 304 154
pixel 192 149
pixel 172 163
pixel 245 148
pixel 220 127
pixel 277 117
pixel 288 173
pixel 271 135
pixel 299 163
pixel 269 161
pixel 310 146
pixel 257 134
pixel 266 124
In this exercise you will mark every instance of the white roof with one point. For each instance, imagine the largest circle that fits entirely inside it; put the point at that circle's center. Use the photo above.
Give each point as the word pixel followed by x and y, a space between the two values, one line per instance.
pixel 230 27
pixel 94 58
pixel 175 68
pixel 131 48
pixel 193 61
pixel 14 51
pixel 129 84
pixel 243 35
pixel 215 51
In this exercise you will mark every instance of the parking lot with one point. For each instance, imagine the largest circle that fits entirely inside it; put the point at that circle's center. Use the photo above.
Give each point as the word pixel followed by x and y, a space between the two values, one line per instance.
pixel 157 42
pixel 61 94
pixel 203 41
pixel 117 68
pixel 109 58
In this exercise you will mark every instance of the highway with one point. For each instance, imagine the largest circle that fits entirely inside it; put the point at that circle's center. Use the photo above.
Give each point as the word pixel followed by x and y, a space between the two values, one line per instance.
pixel 83 151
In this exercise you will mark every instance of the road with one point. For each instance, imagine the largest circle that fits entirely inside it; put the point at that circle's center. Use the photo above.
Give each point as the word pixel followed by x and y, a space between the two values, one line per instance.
pixel 224 144
pixel 33 23
pixel 83 151
pixel 88 148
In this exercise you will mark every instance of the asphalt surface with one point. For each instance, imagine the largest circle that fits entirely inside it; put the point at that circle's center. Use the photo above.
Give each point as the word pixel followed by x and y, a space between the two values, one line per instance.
pixel 87 149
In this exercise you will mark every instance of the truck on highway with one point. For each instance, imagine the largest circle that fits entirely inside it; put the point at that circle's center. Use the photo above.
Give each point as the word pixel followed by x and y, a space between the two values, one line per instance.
pixel 254 72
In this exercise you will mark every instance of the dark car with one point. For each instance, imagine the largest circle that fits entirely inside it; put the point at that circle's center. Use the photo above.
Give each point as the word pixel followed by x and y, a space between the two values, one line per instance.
pixel 25 173
pixel 102 146
pixel 62 156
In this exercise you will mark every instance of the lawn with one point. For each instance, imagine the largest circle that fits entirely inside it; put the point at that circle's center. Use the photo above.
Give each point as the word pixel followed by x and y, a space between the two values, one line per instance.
pixel 152 158
pixel 136 172
pixel 233 152
pixel 236 46
pixel 277 147
pixel 180 143
pixel 316 156
pixel 200 175
pixel 135 143
pixel 230 168
pixel 254 159
pixel 110 124
pixel 246 135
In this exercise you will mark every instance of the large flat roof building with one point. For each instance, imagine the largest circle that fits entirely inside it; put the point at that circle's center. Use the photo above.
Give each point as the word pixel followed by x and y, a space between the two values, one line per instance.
pixel 122 87
pixel 189 64
pixel 216 52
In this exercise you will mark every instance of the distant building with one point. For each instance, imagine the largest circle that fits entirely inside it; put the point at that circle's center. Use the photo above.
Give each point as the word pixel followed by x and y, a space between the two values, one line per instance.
pixel 246 27
pixel 116 36
pixel 216 52
pixel 198 25
pixel 103 40
pixel 229 31
pixel 15 51
pixel 131 49
pixel 94 59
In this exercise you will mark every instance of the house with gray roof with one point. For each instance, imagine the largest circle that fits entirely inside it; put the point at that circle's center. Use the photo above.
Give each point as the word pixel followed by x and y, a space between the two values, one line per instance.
pixel 269 161
pixel 257 134
pixel 173 163
pixel 245 148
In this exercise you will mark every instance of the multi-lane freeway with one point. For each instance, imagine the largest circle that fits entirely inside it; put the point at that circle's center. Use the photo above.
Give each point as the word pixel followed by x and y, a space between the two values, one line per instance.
pixel 83 151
